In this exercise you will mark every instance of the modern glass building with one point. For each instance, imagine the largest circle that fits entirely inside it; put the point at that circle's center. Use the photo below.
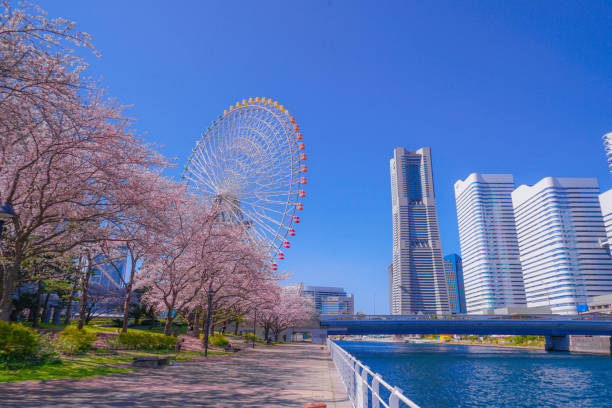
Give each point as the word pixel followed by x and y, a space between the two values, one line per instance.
pixel 418 280
pixel 108 275
pixel 559 224
pixel 489 247
pixel 454 282
pixel 329 300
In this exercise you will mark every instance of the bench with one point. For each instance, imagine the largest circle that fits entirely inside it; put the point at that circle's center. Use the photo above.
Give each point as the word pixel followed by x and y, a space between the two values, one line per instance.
pixel 230 347
pixel 151 362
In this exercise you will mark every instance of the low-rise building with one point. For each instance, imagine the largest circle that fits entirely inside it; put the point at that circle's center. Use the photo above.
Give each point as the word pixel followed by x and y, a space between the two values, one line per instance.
pixel 601 304
pixel 329 300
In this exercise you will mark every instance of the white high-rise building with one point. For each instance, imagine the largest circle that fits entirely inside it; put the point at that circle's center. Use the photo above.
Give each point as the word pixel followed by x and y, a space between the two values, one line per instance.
pixel 605 199
pixel 419 284
pixel 489 248
pixel 605 202
pixel 607 139
pixel 559 224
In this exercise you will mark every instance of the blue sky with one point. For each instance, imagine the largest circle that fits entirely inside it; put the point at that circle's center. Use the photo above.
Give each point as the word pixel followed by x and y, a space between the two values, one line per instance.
pixel 516 87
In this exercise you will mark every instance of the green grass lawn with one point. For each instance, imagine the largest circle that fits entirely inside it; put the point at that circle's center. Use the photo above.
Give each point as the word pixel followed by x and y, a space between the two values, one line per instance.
pixel 82 367
pixel 92 364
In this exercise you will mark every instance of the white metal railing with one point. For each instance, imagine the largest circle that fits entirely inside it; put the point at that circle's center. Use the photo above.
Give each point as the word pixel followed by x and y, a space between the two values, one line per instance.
pixel 363 386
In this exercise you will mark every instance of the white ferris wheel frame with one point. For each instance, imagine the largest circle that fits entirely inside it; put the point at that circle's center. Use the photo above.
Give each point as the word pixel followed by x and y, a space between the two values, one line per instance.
pixel 249 159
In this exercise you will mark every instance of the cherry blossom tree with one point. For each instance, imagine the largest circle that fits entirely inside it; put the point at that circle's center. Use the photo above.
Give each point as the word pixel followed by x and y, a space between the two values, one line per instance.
pixel 288 310
pixel 67 153
pixel 168 273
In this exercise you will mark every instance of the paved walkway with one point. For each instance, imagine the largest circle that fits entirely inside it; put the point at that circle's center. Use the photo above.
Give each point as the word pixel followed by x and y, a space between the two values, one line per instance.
pixel 280 376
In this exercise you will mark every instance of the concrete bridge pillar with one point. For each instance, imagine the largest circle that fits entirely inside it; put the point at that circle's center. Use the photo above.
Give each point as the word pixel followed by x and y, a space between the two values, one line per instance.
pixel 557 343
pixel 580 344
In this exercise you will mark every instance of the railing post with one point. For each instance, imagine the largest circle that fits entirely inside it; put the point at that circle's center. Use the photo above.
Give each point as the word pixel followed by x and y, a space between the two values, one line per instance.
pixel 375 394
pixel 394 399
pixel 364 388
pixel 358 388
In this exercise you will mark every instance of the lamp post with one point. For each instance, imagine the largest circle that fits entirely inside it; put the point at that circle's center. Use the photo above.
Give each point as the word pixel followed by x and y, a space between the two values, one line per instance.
pixel 6 213
pixel 254 324
pixel 211 292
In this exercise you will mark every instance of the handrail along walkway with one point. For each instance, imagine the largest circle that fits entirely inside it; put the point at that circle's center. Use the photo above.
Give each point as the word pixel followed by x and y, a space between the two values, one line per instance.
pixel 362 384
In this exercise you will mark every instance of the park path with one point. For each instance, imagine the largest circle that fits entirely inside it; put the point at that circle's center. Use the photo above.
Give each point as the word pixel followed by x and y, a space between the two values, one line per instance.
pixel 280 376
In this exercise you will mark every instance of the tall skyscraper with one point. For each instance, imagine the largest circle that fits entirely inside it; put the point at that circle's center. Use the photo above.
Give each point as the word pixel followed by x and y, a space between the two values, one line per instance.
pixel 559 224
pixel 454 282
pixel 419 285
pixel 489 246
pixel 390 275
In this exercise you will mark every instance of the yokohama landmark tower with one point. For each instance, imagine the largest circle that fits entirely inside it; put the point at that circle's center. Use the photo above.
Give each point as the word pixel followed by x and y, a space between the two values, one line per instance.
pixel 418 282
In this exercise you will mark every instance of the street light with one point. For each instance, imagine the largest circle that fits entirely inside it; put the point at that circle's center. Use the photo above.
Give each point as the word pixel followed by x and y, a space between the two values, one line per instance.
pixel 254 323
pixel 211 292
pixel 6 213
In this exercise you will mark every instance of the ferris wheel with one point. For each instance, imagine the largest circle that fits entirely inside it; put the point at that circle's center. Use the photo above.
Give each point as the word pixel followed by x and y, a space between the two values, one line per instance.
pixel 251 161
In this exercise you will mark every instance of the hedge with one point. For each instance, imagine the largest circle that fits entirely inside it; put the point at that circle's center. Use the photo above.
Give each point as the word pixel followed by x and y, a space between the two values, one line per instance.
pixel 74 341
pixel 147 341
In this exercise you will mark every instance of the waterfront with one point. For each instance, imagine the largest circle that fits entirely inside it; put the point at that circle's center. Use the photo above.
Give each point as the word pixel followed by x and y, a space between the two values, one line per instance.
pixel 443 375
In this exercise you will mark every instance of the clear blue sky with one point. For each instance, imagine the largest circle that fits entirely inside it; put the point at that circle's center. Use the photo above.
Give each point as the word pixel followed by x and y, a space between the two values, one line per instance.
pixel 522 87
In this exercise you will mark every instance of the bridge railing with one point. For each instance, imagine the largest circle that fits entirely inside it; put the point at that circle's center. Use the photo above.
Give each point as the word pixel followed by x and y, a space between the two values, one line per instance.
pixel 365 388
pixel 583 317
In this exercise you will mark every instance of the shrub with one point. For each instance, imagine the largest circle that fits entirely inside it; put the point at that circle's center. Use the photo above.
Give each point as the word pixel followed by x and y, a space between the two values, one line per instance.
pixel 218 340
pixel 250 337
pixel 113 342
pixel 74 341
pixel 17 342
pixel 147 341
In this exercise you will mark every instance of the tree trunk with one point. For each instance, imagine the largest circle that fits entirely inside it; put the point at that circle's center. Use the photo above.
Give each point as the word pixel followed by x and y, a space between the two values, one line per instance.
pixel 168 325
pixel 126 301
pixel 44 313
pixel 236 327
pixel 36 311
pixel 69 307
pixel 196 323
pixel 84 290
pixel 8 279
pixel 266 331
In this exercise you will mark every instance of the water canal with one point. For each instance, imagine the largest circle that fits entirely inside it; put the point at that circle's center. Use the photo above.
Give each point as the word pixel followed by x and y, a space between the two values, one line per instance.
pixel 441 375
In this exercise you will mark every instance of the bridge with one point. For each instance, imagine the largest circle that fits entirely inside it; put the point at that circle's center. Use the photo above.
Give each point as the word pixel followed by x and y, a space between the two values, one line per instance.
pixel 561 331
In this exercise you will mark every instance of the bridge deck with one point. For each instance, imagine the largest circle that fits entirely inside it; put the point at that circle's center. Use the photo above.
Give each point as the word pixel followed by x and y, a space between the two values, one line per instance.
pixel 542 325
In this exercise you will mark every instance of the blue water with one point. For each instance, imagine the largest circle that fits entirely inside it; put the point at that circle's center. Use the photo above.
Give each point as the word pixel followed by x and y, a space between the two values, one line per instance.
pixel 441 375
